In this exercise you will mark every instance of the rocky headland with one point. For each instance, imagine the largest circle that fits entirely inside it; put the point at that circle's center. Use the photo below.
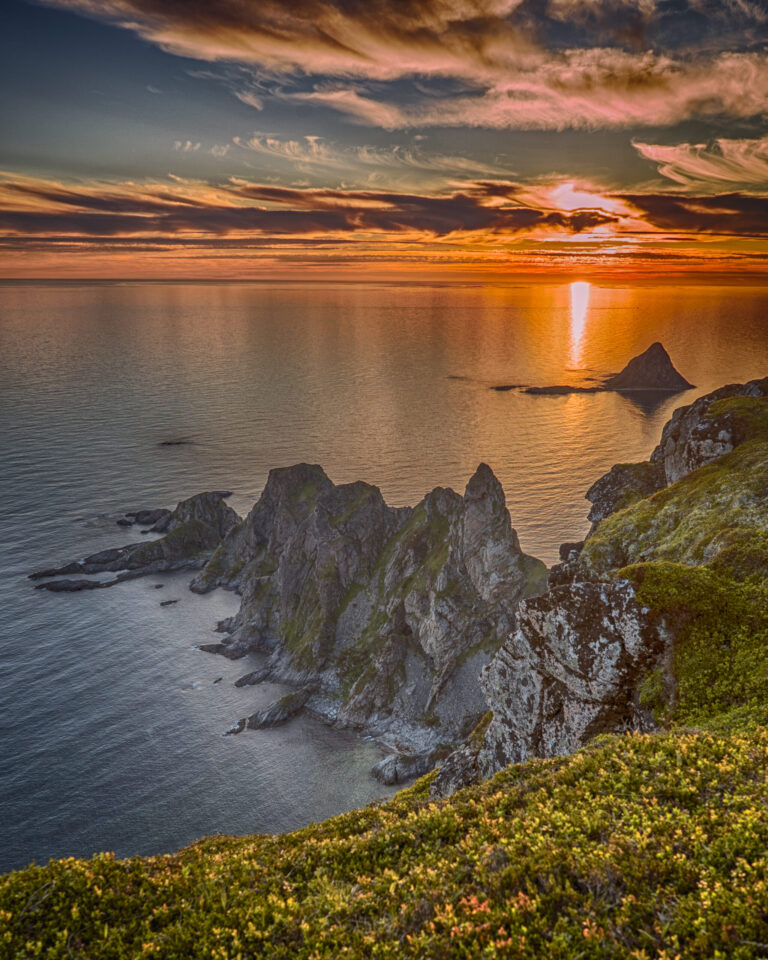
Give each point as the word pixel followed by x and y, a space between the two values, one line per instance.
pixel 429 629
pixel 381 617
pixel 191 533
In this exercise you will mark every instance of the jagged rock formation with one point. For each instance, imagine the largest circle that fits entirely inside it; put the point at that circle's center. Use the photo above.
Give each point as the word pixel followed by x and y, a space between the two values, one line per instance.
pixel 388 613
pixel 194 530
pixel 606 648
pixel 651 370
pixel 623 484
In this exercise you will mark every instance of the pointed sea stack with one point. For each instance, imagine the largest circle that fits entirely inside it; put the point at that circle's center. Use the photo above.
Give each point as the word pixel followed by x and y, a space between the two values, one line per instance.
pixel 652 370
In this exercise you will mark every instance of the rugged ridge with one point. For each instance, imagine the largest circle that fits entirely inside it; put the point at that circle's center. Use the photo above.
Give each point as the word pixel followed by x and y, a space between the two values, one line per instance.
pixel 388 614
pixel 572 669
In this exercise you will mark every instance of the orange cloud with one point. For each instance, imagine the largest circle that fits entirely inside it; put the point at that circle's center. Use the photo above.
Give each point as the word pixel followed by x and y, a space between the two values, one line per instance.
pixel 49 228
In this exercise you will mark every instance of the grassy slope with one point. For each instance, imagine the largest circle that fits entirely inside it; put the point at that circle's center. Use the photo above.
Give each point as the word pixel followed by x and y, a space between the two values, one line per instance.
pixel 638 846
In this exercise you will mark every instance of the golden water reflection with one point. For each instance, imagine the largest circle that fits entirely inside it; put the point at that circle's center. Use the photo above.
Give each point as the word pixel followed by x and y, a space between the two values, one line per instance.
pixel 579 307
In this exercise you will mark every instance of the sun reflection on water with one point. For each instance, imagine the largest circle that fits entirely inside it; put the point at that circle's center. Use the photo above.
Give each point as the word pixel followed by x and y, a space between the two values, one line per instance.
pixel 579 307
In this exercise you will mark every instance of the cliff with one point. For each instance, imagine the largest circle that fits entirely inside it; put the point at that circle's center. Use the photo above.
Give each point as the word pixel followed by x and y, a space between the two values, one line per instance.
pixel 383 616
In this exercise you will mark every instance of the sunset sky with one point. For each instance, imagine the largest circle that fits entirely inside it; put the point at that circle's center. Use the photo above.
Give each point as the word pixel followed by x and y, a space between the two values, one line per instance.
pixel 383 138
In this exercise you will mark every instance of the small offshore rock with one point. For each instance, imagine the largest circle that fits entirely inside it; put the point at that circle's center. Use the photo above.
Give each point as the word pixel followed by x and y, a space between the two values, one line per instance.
pixel 167 603
pixel 559 390
pixel 253 678
pixel 222 650
pixel 70 586
pixel 276 713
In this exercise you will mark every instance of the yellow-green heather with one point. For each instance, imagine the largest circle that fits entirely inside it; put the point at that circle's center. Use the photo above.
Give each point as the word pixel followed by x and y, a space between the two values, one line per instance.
pixel 640 846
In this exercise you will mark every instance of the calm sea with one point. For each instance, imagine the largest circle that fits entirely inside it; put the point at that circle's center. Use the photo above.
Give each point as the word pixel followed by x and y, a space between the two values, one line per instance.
pixel 110 718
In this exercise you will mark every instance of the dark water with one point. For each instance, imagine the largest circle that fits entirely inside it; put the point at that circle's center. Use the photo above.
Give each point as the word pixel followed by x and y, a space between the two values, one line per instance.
pixel 110 730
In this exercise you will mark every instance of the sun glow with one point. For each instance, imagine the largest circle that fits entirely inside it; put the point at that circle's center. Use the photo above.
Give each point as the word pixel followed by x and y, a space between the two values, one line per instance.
pixel 579 308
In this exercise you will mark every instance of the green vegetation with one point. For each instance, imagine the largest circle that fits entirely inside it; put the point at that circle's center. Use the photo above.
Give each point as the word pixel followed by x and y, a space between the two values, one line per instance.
pixel 722 506
pixel 720 662
pixel 188 539
pixel 646 846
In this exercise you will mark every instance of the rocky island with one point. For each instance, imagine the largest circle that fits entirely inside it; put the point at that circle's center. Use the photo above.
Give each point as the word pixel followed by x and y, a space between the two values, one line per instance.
pixel 650 372
pixel 619 708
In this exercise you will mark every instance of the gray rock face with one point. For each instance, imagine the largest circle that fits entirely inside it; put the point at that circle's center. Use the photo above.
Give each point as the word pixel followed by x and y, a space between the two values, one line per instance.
pixel 651 370
pixel 570 671
pixel 389 613
pixel 623 484
pixel 574 665
pixel 693 437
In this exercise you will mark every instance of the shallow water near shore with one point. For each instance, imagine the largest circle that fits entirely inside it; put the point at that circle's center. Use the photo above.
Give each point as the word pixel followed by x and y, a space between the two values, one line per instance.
pixel 111 719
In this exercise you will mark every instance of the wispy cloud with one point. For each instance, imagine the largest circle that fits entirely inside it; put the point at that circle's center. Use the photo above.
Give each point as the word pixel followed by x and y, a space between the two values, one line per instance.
pixel 243 208
pixel 742 162
pixel 525 64
pixel 582 89
pixel 309 152
pixel 250 98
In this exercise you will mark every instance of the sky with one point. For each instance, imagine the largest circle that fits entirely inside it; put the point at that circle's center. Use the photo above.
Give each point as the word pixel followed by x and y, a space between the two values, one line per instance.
pixel 383 139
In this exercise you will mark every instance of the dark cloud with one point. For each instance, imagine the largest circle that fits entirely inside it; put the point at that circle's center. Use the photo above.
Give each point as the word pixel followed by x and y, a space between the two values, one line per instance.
pixel 732 214
pixel 294 212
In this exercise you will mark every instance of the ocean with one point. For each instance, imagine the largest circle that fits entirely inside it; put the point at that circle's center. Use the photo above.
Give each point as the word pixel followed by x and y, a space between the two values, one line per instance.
pixel 111 719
